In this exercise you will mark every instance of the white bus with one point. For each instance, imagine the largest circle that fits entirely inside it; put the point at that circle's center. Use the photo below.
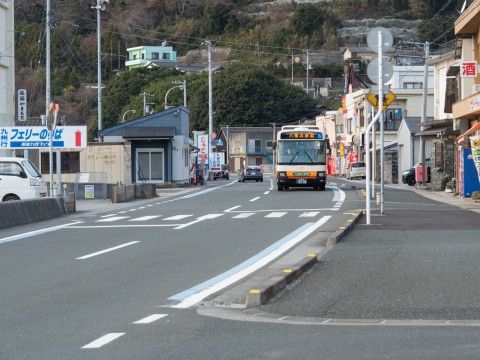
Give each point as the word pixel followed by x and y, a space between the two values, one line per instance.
pixel 301 157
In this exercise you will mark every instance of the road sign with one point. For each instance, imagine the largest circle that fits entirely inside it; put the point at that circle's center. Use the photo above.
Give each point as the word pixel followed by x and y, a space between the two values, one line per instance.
pixel 38 137
pixel 387 99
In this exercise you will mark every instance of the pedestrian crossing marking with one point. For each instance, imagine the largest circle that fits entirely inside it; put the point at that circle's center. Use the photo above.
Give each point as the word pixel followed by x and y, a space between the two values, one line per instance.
pixel 276 214
pixel 309 214
pixel 177 217
pixel 145 218
pixel 113 218
pixel 243 215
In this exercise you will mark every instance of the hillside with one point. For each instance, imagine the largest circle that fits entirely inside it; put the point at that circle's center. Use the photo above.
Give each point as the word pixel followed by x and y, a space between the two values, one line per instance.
pixel 254 31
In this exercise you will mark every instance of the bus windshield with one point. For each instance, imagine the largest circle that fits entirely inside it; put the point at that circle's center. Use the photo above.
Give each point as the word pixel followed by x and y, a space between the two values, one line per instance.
pixel 301 152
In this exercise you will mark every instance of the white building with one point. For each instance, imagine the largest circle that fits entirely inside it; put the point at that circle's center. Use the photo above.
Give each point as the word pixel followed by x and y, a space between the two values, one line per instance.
pixel 7 68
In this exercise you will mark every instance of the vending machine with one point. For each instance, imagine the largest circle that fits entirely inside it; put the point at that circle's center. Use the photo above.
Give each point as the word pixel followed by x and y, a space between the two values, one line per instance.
pixel 468 178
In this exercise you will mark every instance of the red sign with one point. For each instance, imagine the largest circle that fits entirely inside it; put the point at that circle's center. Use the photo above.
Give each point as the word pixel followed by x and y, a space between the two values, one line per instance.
pixel 469 68
pixel 330 166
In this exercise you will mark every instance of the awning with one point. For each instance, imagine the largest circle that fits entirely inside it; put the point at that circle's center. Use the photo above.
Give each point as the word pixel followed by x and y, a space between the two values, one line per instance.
pixel 475 127
pixel 433 131
pixel 148 133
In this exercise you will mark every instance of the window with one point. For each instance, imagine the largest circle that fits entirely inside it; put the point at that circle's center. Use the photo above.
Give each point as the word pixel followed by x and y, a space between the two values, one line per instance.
pixel 166 56
pixel 392 118
pixel 155 56
pixel 70 162
pixel 10 168
pixel 412 85
pixel 134 56
pixel 143 56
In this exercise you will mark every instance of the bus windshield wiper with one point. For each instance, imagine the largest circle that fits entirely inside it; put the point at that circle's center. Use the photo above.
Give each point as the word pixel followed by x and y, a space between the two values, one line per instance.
pixel 294 156
pixel 306 153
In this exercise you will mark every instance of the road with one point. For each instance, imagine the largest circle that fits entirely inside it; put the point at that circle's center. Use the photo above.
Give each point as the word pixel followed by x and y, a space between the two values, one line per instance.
pixel 94 275
pixel 127 284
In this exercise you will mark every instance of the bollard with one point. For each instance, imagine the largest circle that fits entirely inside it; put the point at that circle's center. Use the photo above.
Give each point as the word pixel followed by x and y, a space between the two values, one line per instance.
pixel 379 195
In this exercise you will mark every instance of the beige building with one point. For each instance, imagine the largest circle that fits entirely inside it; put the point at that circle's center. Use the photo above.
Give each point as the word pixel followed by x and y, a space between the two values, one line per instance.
pixel 7 68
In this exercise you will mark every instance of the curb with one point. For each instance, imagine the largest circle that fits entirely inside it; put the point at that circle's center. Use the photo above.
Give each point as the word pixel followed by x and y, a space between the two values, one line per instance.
pixel 272 287
pixel 345 228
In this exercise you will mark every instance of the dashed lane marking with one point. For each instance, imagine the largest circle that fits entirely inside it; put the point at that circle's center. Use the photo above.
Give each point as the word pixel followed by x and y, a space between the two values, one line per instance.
pixel 103 341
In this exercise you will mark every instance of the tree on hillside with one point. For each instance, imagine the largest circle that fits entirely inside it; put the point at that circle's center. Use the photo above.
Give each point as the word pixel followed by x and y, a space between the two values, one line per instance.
pixel 247 96
pixel 307 19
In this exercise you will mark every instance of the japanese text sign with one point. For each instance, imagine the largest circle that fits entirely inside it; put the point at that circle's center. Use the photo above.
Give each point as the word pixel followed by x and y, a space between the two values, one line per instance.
pixel 469 69
pixel 38 137
pixel 22 105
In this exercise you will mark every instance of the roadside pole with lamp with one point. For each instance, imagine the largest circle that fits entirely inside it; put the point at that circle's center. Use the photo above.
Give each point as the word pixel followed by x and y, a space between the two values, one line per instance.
pixel 52 116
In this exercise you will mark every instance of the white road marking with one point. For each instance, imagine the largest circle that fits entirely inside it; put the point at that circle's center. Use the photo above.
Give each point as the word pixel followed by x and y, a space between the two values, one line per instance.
pixel 107 250
pixel 109 215
pixel 309 214
pixel 132 210
pixel 145 218
pixel 103 341
pixel 243 215
pixel 266 192
pixel 275 214
pixel 113 218
pixel 232 208
pixel 150 319
pixel 201 218
pixel 255 199
pixel 248 267
pixel 177 217
pixel 37 232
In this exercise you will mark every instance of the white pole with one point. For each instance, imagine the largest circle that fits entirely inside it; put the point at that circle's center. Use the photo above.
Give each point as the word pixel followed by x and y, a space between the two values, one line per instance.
pixel 47 95
pixel 99 69
pixel 424 112
pixel 210 103
pixel 380 109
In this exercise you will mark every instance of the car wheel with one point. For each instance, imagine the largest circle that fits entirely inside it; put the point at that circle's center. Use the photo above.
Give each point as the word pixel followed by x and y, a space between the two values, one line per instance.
pixel 243 180
pixel 322 187
pixel 280 188
pixel 257 180
pixel 261 180
pixel 11 198
pixel 411 181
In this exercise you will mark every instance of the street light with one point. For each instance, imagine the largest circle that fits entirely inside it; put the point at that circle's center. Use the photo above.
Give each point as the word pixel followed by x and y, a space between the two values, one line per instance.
pixel 126 112
pixel 183 86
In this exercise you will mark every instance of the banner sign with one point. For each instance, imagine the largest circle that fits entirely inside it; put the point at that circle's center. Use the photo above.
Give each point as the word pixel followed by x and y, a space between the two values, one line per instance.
pixel 475 145
pixel 216 161
pixel 203 142
pixel 22 105
pixel 38 137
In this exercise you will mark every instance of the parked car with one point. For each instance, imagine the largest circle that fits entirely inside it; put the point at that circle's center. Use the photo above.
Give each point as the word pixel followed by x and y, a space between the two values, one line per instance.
pixel 222 174
pixel 408 175
pixel 250 173
pixel 356 170
pixel 20 179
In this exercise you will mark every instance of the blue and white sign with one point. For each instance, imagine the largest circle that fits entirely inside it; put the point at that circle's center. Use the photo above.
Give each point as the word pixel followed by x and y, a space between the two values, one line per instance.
pixel 216 161
pixel 38 137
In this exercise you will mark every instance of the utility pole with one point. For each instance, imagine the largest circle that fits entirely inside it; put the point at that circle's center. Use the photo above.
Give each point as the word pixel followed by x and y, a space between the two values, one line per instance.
pixel 292 67
pixel 424 110
pixel 308 65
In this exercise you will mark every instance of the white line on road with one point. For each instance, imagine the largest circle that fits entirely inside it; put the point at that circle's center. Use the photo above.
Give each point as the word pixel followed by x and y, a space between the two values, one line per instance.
pixel 107 250
pixel 266 193
pixel 196 294
pixel 145 218
pixel 150 319
pixel 243 215
pixel 232 208
pixel 111 219
pixel 255 198
pixel 309 214
pixel 276 214
pixel 103 341
pixel 37 232
pixel 177 217
pixel 201 218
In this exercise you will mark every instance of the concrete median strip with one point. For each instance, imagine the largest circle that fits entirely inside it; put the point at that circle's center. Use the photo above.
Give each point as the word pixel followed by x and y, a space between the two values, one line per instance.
pixel 270 288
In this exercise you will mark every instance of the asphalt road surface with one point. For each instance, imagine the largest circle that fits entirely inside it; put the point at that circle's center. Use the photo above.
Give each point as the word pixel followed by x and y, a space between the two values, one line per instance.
pixel 133 282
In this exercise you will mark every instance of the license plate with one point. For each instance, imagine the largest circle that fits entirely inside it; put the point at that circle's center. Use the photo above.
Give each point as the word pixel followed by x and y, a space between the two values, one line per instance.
pixel 301 181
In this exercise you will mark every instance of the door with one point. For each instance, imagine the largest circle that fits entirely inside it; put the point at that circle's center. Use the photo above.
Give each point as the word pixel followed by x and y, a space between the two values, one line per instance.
pixel 150 165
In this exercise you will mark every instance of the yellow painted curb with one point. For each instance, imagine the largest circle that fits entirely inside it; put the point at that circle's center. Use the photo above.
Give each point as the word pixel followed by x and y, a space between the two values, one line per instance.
pixel 287 271
pixel 254 291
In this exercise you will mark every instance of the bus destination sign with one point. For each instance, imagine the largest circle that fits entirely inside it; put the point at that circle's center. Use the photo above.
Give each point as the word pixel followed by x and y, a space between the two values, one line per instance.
pixel 301 135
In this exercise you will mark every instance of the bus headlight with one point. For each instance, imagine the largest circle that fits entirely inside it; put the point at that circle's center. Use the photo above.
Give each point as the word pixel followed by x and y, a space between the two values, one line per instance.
pixel 320 174
pixel 282 174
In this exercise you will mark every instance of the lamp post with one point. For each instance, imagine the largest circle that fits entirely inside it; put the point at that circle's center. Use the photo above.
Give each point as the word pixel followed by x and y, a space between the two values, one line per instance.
pixel 99 7
pixel 126 112
pixel 183 86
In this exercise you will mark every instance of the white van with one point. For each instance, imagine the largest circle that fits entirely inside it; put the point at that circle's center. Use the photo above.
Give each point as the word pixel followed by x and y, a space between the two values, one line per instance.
pixel 356 170
pixel 20 179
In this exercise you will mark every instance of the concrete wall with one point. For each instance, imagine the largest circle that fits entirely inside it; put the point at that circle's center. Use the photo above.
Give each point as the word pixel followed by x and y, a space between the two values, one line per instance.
pixel 20 212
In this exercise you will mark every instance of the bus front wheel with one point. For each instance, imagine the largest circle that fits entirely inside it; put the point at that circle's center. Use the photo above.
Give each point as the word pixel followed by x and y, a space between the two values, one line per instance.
pixel 280 188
